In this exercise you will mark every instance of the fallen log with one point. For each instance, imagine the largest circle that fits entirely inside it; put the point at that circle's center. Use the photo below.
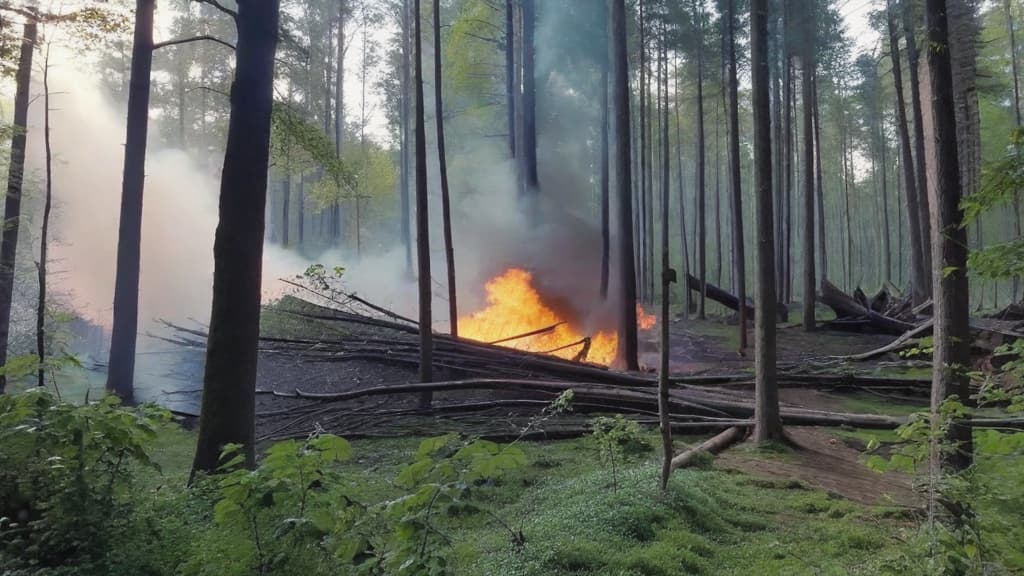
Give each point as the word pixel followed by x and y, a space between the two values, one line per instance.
pixel 846 306
pixel 714 445
pixel 730 300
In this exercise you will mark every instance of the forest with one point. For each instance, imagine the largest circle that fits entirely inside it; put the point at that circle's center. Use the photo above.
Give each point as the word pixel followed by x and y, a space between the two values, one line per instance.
pixel 511 287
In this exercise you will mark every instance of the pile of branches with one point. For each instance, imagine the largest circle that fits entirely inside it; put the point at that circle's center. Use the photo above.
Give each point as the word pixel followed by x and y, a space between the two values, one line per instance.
pixel 883 313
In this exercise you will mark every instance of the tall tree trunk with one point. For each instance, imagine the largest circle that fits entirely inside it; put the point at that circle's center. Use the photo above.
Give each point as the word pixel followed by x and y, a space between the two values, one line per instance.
pixel 286 200
pixel 446 210
pixel 530 97
pixel 918 273
pixel 510 77
pixel 121 367
pixel 229 384
pixel 767 421
pixel 848 176
pixel 623 177
pixel 819 189
pixel 641 216
pixel 913 64
pixel 949 249
pixel 886 235
pixel 739 262
pixel 682 209
pixel 406 164
pixel 785 263
pixel 698 9
pixel 15 180
pixel 605 175
pixel 1011 30
pixel 810 285
pixel 45 228
pixel 666 271
pixel 718 197
pixel 339 84
pixel 422 218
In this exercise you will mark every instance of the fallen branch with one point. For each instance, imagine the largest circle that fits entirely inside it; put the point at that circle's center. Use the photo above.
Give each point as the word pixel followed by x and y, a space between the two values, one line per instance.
pixel 713 445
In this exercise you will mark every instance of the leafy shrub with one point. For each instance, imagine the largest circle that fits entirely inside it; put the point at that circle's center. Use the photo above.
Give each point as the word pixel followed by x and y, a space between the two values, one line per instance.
pixel 66 476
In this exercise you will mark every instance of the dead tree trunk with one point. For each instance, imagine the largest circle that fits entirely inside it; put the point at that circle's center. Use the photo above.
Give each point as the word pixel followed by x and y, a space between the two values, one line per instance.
pixel 229 384
pixel 15 181
pixel 121 367
pixel 45 228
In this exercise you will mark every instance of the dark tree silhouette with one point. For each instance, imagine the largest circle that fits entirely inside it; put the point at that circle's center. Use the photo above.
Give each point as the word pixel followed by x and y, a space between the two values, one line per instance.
pixel 623 180
pixel 739 260
pixel 121 367
pixel 422 216
pixel 446 210
pixel 229 384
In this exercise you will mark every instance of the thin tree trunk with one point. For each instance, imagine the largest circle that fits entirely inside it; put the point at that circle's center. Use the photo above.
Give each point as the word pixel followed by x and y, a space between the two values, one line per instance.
pixel 685 260
pixel 422 217
pixel 121 367
pixel 918 117
pixel 739 262
pixel 949 249
pixel 810 285
pixel 666 272
pixel 406 168
pixel 819 189
pixel 623 177
pixel 15 180
pixel 786 263
pixel 918 276
pixel 446 211
pixel 604 178
pixel 642 262
pixel 339 84
pixel 1017 116
pixel 530 97
pixel 510 76
pixel 229 385
pixel 700 192
pixel 847 177
pixel 767 421
pixel 45 228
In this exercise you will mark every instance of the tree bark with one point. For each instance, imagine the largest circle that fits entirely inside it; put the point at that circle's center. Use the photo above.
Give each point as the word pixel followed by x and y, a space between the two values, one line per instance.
pixel 422 217
pixel 404 192
pixel 510 87
pixel 913 64
pixel 819 188
pixel 45 228
pixel 605 175
pixel 809 286
pixel 121 367
pixel 15 181
pixel 623 179
pixel 530 97
pixel 768 423
pixel 1011 30
pixel 701 193
pixel 229 384
pixel 339 84
pixel 739 262
pixel 667 274
pixel 446 210
pixel 949 249
pixel 919 276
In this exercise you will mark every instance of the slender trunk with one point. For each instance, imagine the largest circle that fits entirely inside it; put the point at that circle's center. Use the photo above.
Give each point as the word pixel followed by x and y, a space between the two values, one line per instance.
pixel 1017 116
pixel 286 200
pixel 604 180
pixel 422 217
pixel 739 263
pixel 886 240
pixel 406 167
pixel 952 359
pixel 121 367
pixel 623 177
pixel 919 154
pixel 819 189
pixel 666 273
pixel 718 198
pixel 45 228
pixel 847 176
pixel 682 211
pixel 785 265
pixel 641 216
pixel 229 386
pixel 767 421
pixel 15 178
pixel 530 97
pixel 446 211
pixel 510 85
pixel 700 191
pixel 339 84
pixel 918 274
pixel 810 285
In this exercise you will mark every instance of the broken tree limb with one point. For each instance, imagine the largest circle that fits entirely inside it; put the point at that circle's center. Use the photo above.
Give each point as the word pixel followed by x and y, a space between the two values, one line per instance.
pixel 729 300
pixel 846 306
pixel 714 445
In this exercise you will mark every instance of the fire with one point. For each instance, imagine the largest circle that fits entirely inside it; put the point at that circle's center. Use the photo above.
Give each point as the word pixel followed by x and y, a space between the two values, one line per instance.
pixel 514 308
pixel 645 321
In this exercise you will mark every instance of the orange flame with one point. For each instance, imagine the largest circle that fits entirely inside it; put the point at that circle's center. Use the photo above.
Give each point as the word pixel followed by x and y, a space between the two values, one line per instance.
pixel 514 308
pixel 645 321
